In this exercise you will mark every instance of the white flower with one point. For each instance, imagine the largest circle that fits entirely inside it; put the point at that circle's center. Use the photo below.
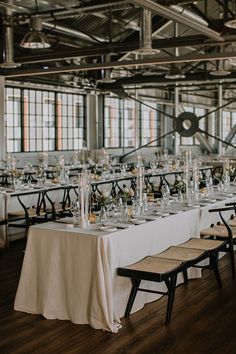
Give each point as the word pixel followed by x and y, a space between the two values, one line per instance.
pixel 105 194
pixel 131 192
pixel 126 190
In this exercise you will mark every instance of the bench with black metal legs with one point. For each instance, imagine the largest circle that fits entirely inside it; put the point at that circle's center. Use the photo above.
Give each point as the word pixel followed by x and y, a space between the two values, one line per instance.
pixel 157 270
pixel 194 251
pixel 224 233
pixel 3 222
pixel 165 266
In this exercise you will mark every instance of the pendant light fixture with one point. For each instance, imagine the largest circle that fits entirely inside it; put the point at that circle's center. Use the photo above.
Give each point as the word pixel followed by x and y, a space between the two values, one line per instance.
pixel 230 22
pixel 106 73
pixel 174 73
pixel 35 38
pixel 220 69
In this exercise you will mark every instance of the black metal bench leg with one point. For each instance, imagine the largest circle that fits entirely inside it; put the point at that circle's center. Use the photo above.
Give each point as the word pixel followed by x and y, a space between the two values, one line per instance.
pixel 214 265
pixel 231 251
pixel 171 285
pixel 185 275
pixel 135 285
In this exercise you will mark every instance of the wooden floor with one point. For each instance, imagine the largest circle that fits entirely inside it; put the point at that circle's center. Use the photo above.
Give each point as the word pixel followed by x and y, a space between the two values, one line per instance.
pixel 204 320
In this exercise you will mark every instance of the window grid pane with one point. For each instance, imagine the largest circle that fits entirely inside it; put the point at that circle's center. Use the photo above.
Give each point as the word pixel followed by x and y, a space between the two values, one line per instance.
pixel 226 116
pixel 150 123
pixel 13 119
pixel 112 121
pixel 129 123
pixel 70 121
pixel 39 120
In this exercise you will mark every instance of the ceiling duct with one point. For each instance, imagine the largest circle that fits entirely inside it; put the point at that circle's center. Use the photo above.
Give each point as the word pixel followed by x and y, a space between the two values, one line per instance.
pixel 175 72
pixel 71 32
pixel 145 34
pixel 187 18
pixel 188 14
pixel 8 51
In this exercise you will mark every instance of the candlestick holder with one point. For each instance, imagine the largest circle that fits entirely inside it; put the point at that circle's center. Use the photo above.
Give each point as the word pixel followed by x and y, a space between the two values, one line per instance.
pixel 84 184
pixel 139 189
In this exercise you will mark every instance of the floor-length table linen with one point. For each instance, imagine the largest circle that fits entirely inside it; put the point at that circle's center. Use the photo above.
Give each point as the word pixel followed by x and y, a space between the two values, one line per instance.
pixel 70 273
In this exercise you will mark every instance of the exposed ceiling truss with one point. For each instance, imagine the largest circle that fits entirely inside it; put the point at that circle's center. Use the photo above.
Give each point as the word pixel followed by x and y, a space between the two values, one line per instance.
pixel 82 32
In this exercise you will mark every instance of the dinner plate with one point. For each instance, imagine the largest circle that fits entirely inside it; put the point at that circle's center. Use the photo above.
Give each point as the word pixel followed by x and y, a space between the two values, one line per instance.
pixel 165 214
pixel 152 216
pixel 108 228
pixel 138 221
pixel 162 213
pixel 175 211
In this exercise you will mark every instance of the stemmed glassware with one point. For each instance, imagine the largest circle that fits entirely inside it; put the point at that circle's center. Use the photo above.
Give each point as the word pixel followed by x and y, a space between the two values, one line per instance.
pixel 75 209
pixel 165 195
pixel 153 166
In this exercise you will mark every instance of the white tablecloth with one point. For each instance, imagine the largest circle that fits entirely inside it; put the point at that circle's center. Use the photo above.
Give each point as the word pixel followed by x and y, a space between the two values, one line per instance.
pixel 70 273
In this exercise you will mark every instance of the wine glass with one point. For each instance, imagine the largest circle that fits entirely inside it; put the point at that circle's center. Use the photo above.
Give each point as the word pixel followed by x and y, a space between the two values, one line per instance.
pixel 75 209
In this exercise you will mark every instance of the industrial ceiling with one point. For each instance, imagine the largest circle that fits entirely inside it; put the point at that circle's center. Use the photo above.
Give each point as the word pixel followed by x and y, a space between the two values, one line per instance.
pixel 116 45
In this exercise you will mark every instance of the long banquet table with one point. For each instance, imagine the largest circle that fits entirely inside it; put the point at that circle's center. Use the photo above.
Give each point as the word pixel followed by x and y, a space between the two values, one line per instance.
pixel 29 193
pixel 69 273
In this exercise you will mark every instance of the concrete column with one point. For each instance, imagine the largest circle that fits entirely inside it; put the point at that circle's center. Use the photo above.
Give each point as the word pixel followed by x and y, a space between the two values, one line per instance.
pixel 220 119
pixel 176 112
pixel 3 139
pixel 211 128
pixel 92 121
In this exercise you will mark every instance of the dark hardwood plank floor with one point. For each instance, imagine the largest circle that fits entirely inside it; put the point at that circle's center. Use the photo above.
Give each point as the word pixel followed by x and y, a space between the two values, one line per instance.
pixel 204 320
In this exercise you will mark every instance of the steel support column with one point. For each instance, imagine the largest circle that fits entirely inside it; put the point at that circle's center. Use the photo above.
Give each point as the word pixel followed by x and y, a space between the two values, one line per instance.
pixel 220 118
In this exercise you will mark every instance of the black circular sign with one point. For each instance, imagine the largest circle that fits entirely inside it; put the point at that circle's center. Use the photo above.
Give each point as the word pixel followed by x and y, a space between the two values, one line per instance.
pixel 186 124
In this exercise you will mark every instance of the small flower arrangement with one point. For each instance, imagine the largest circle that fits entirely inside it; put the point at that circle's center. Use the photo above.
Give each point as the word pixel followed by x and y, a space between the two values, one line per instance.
pixel 103 198
pixel 179 185
pixel 127 194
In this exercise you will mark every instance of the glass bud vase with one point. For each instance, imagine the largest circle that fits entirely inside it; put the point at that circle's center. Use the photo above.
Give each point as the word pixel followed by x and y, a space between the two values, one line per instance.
pixel 103 214
pixel 125 213
pixel 180 196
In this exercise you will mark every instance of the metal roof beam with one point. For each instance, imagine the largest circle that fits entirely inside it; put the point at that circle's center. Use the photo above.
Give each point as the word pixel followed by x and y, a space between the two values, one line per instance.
pixel 172 15
pixel 119 64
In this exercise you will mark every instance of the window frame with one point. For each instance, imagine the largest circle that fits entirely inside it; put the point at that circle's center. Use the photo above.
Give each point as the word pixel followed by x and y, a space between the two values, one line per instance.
pixel 23 107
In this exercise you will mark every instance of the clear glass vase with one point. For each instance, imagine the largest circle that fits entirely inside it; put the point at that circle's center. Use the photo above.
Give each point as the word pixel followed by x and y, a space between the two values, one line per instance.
pixel 103 214
pixel 125 213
